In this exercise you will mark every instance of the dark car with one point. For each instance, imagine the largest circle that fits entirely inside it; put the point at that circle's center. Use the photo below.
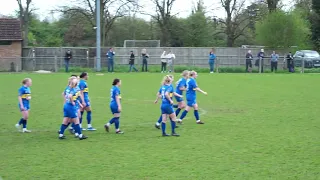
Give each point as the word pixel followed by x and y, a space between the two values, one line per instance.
pixel 311 58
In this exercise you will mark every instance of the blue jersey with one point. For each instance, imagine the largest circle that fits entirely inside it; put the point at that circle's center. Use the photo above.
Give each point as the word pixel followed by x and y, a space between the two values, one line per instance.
pixel 114 92
pixel 163 90
pixel 25 94
pixel 84 87
pixel 180 84
pixel 78 91
pixel 73 92
pixel 191 86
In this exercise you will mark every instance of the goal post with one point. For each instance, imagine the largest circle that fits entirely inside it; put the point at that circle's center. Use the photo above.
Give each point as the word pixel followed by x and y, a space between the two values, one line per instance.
pixel 141 43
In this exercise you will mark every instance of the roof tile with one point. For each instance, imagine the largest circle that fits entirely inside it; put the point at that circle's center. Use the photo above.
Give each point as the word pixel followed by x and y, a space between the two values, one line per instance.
pixel 10 29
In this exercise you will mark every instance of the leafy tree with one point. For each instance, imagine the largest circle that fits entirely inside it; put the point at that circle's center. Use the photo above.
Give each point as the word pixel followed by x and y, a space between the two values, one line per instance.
pixel 315 23
pixel 283 29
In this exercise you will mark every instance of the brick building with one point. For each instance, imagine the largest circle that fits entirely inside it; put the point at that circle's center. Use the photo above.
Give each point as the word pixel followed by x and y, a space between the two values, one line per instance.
pixel 10 44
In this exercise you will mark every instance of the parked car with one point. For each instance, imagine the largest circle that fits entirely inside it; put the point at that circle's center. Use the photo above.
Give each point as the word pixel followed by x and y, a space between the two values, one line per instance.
pixel 311 58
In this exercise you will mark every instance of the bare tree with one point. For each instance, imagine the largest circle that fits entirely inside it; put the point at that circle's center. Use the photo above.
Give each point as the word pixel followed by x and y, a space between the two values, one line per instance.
pixel 236 22
pixel 163 18
pixel 110 10
pixel 24 14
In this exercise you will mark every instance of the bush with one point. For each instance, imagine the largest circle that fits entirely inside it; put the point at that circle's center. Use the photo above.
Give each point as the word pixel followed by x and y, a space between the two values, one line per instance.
pixel 179 69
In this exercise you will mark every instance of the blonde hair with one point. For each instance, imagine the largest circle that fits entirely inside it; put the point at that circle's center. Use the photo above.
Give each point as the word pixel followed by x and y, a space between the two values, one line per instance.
pixel 25 80
pixel 166 79
pixel 185 73
pixel 73 81
pixel 192 73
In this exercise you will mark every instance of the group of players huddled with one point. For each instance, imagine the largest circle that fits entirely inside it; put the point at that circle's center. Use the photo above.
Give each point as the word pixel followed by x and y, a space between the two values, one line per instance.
pixel 76 101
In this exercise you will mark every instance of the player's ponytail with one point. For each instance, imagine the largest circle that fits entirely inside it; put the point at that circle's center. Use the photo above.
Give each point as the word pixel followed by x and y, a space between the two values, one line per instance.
pixel 84 74
pixel 115 81
pixel 192 73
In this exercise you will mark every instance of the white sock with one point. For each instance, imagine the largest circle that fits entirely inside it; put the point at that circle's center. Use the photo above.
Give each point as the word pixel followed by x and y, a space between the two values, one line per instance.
pixel 158 124
pixel 198 120
pixel 108 124
pixel 76 134
pixel 60 135
pixel 80 126
pixel 24 129
pixel 80 135
pixel 118 130
pixel 89 126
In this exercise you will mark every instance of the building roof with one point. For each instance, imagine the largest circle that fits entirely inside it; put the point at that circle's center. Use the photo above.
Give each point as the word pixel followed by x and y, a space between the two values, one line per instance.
pixel 10 29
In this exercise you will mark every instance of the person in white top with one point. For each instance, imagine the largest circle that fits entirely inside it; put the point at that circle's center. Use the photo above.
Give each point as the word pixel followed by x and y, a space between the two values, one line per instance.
pixel 170 57
pixel 163 62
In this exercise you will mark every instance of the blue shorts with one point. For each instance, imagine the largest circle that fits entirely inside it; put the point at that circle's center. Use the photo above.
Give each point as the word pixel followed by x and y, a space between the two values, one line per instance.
pixel 25 105
pixel 191 102
pixel 70 111
pixel 167 109
pixel 114 108
pixel 178 99
pixel 87 101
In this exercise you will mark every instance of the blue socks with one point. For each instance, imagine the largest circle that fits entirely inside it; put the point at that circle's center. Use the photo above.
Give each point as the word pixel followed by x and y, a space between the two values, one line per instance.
pixel 89 117
pixel 184 114
pixel 73 126
pixel 160 119
pixel 77 129
pixel 21 121
pixel 178 111
pixel 63 128
pixel 24 123
pixel 173 126
pixel 163 128
pixel 80 119
pixel 196 114
pixel 112 120
pixel 175 106
pixel 117 122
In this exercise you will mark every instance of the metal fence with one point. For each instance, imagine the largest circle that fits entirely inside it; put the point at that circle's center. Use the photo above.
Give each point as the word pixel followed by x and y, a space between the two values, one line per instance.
pixel 55 63
pixel 52 58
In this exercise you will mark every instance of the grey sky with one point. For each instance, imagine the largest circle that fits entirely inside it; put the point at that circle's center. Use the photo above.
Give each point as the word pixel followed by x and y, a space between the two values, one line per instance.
pixel 183 7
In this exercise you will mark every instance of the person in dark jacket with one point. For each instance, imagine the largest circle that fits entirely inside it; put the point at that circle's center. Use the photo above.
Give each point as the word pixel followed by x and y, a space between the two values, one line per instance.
pixel 131 62
pixel 67 58
pixel 261 56
pixel 145 57
pixel 249 59
pixel 290 64
pixel 110 55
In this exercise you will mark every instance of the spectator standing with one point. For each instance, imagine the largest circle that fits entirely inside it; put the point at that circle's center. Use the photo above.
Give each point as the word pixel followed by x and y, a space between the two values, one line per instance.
pixel 249 59
pixel 163 62
pixel 212 58
pixel 290 63
pixel 110 56
pixel 145 57
pixel 67 58
pixel 274 61
pixel 131 62
pixel 261 56
pixel 170 58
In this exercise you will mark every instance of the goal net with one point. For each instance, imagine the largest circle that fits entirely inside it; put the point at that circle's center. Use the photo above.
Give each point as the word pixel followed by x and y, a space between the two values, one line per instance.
pixel 141 43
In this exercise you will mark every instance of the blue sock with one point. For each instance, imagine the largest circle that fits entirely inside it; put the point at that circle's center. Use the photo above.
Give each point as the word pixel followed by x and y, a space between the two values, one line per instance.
pixel 73 125
pixel 175 106
pixel 184 114
pixel 77 129
pixel 163 128
pixel 178 111
pixel 117 122
pixel 160 119
pixel 68 124
pixel 21 121
pixel 63 128
pixel 24 123
pixel 112 120
pixel 89 117
pixel 80 119
pixel 196 114
pixel 173 126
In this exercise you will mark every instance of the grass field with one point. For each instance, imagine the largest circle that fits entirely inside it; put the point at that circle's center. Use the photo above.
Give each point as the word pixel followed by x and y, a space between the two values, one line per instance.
pixel 257 127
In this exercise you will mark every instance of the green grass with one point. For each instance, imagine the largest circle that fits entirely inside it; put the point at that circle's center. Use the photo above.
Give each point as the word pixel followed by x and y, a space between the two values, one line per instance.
pixel 257 127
